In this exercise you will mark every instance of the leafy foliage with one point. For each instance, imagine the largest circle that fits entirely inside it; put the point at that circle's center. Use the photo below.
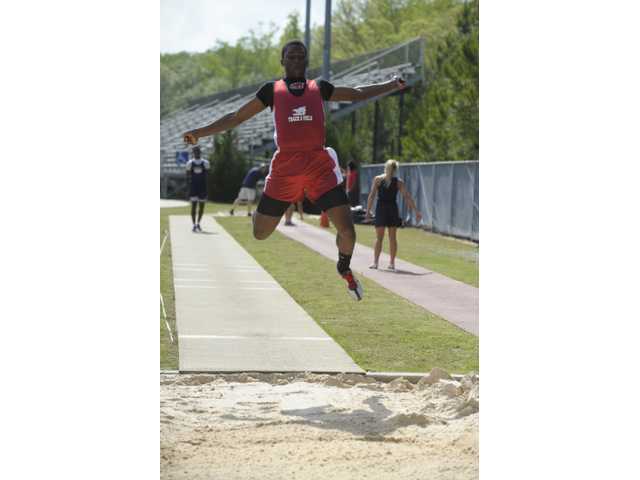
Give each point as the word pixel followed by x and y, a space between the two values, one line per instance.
pixel 441 117
pixel 445 123
pixel 228 167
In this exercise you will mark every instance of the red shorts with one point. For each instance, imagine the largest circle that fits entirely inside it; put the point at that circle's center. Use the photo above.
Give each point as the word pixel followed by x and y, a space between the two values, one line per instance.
pixel 294 174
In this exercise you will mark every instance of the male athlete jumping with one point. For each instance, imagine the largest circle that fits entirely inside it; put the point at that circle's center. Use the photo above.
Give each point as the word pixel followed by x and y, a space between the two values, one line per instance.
pixel 301 164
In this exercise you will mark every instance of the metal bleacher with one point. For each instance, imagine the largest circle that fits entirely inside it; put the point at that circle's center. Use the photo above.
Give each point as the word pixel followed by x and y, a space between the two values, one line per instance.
pixel 256 135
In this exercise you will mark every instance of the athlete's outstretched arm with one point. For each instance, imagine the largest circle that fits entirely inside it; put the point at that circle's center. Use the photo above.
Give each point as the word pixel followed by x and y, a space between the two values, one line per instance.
pixel 227 122
pixel 349 94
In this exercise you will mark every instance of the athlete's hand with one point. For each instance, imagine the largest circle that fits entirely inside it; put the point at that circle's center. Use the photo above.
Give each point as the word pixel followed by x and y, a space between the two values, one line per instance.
pixel 399 81
pixel 190 138
pixel 367 217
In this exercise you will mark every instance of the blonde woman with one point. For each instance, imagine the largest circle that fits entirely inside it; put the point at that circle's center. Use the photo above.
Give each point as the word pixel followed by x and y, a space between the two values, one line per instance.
pixel 387 186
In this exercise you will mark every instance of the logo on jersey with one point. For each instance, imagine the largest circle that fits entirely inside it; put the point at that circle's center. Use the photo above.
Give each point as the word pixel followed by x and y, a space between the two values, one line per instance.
pixel 300 115
pixel 297 86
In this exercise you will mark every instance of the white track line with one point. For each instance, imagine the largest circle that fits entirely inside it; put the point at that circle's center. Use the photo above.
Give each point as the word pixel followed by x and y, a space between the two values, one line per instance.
pixel 166 234
pixel 226 286
pixel 237 337
pixel 165 318
pixel 200 265
pixel 164 312
pixel 271 282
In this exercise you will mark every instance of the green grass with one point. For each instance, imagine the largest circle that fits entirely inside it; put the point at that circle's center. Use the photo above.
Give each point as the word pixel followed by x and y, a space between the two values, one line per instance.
pixel 383 332
pixel 168 350
pixel 457 259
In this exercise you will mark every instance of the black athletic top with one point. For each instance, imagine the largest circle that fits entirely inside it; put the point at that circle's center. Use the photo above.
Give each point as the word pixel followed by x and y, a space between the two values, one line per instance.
pixel 296 86
pixel 388 194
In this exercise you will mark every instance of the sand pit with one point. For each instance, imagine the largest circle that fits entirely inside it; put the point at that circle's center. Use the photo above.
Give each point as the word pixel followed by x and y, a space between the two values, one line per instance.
pixel 308 426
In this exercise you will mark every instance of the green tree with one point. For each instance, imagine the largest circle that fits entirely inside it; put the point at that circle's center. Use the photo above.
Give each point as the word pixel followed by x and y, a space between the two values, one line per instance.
pixel 441 115
pixel 228 167
pixel 292 29
pixel 445 123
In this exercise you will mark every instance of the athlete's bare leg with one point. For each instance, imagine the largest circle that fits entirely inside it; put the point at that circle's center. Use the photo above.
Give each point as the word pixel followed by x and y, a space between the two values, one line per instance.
pixel 378 246
pixel 288 214
pixel 393 246
pixel 193 211
pixel 346 240
pixel 236 202
pixel 346 237
pixel 200 211
pixel 264 225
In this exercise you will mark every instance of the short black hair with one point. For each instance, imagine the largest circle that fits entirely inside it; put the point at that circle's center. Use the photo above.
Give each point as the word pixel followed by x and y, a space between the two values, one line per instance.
pixel 293 42
pixel 352 165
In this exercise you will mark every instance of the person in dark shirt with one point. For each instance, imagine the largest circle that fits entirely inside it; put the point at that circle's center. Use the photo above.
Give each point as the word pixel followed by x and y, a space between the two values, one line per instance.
pixel 301 164
pixel 197 170
pixel 247 193
pixel 387 186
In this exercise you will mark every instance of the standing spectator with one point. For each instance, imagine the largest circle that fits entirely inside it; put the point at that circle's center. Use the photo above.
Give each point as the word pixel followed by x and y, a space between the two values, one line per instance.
pixel 387 187
pixel 197 169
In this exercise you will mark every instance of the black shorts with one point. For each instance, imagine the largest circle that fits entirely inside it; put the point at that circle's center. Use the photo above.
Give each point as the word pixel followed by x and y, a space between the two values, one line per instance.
pixel 276 208
pixel 387 215
pixel 198 194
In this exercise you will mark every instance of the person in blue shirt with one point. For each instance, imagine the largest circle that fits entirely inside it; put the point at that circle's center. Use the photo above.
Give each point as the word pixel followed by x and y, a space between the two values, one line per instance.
pixel 197 170
pixel 247 193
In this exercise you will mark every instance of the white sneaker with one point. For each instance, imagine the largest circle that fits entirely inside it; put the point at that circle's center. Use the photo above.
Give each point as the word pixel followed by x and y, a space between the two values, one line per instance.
pixel 374 266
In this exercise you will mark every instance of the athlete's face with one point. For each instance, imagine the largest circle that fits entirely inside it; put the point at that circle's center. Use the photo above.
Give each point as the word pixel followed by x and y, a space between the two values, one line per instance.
pixel 294 61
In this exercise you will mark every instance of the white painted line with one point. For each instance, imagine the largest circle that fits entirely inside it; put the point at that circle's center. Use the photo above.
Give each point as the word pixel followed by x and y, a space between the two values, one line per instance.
pixel 227 286
pixel 218 266
pixel 192 280
pixel 227 282
pixel 237 337
pixel 190 269
pixel 166 234
pixel 165 318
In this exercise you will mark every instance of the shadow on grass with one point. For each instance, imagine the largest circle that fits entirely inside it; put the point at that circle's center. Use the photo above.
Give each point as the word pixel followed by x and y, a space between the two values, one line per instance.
pixel 405 272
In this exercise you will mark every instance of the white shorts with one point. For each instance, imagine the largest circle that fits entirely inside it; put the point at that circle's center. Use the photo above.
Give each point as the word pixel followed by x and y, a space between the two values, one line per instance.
pixel 247 194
